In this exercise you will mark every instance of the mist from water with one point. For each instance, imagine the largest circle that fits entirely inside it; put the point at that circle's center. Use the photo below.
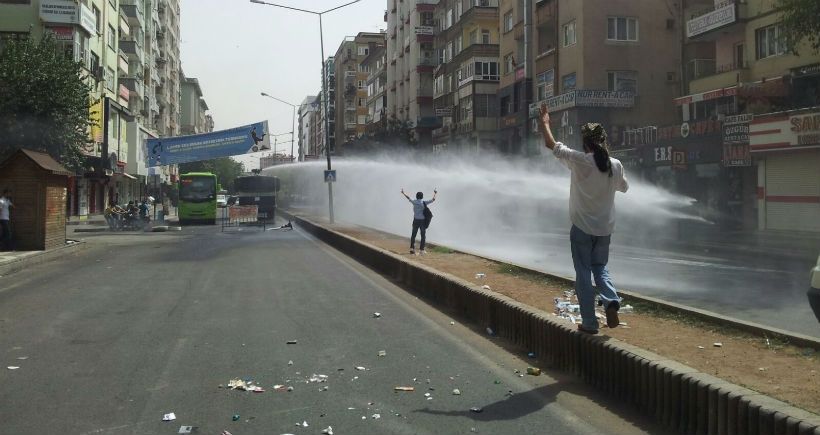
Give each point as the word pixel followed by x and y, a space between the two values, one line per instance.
pixel 482 200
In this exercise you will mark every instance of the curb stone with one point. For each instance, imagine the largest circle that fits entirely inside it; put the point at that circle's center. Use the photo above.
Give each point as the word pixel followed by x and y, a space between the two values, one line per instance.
pixel 40 257
pixel 673 394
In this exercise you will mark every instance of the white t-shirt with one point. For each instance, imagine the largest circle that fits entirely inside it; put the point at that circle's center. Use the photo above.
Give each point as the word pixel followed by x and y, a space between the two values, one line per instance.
pixel 5 203
pixel 592 192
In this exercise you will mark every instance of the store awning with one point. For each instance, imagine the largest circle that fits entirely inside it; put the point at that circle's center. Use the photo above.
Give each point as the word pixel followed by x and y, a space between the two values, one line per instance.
pixel 772 87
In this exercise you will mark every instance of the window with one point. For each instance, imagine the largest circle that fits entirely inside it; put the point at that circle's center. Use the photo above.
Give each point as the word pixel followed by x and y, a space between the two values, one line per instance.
pixel 94 63
pixel 459 9
pixel 361 102
pixel 626 81
pixel 769 41
pixel 364 68
pixel 361 84
pixel 622 29
pixel 109 79
pixel 485 36
pixel 449 18
pixel 112 38
pixel 458 45
pixel 508 21
pixel 97 18
pixel 509 63
pixel 449 54
pixel 474 37
pixel 485 70
pixel 427 19
pixel 544 87
pixel 486 106
pixel 12 36
pixel 364 51
pixel 568 82
pixel 569 33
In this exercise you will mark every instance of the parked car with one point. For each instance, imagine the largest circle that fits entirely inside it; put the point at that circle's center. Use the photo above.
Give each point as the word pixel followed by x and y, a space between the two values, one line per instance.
pixel 814 290
pixel 221 200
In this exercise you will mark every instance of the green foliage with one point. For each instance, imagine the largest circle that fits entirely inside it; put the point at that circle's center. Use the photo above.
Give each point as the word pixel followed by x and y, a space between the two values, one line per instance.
pixel 44 102
pixel 801 22
pixel 225 168
pixel 393 134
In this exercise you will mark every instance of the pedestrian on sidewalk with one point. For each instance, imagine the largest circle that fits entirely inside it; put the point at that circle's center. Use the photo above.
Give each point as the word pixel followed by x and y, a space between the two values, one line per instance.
pixel 594 180
pixel 5 221
pixel 420 219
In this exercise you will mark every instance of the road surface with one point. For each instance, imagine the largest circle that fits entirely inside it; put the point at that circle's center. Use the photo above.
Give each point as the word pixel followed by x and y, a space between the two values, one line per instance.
pixel 109 340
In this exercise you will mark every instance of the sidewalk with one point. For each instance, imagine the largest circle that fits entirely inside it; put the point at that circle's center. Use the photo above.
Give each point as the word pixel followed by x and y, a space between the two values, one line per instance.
pixel 99 219
pixel 11 262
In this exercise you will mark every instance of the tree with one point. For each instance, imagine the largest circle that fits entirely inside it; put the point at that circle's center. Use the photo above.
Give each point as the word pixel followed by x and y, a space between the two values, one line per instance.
pixel 44 102
pixel 801 21
pixel 225 168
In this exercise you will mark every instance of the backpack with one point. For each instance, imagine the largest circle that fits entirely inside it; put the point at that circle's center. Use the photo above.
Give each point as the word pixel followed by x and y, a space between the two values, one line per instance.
pixel 428 216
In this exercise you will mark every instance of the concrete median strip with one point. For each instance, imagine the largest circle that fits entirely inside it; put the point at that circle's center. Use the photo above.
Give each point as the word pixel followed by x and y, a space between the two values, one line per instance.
pixel 675 395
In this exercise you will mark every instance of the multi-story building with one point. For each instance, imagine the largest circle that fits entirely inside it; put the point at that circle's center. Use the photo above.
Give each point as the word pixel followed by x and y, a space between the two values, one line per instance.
pixel 306 114
pixel 747 140
pixel 351 79
pixel 466 80
pixel 327 114
pixel 376 63
pixel 193 108
pixel 167 62
pixel 412 57
pixel 517 52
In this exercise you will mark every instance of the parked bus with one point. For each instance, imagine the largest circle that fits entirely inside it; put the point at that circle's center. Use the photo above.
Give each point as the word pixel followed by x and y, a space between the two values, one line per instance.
pixel 258 190
pixel 197 198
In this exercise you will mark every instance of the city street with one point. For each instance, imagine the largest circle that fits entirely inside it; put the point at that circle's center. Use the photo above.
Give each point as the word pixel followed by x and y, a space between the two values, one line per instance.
pixel 110 339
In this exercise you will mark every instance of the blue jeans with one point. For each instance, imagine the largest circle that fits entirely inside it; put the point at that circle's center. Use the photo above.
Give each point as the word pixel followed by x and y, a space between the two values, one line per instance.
pixel 589 256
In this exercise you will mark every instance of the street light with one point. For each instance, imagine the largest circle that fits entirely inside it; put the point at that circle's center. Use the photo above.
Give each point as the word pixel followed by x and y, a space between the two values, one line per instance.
pixel 324 84
pixel 292 121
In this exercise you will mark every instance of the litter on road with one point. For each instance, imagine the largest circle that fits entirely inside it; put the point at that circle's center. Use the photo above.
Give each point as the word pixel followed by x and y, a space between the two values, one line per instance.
pixel 535 371
pixel 328 430
pixel 486 287
pixel 317 378
pixel 377 315
pixel 12 367
pixel 717 344
pixel 186 429
pixel 382 353
pixel 404 389
pixel 239 384
pixel 456 392
pixel 480 276
pixel 360 368
pixel 292 341
pixel 169 417
pixel 235 417
pixel 377 416
pixel 477 410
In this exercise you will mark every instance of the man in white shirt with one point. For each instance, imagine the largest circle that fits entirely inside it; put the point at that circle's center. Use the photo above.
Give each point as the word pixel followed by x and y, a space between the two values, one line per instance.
pixel 419 204
pixel 595 179
pixel 5 227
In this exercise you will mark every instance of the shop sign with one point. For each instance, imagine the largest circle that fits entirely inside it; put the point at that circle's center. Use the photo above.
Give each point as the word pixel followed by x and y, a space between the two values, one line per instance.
pixel 687 130
pixel 585 98
pixel 679 159
pixel 736 154
pixel 779 132
pixel 61 33
pixel 424 30
pixel 721 16
pixel 519 74
pixel 444 111
pixel 68 12
pixel 509 121
pixel 808 70
pixel 663 154
pixel 770 88
pixel 736 133
pixel 806 128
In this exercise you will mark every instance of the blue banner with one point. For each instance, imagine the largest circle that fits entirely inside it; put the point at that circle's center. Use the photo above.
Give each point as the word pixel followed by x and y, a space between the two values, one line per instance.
pixel 183 149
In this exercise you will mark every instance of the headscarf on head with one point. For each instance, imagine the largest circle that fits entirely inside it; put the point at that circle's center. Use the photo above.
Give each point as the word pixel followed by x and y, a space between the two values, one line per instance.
pixel 594 137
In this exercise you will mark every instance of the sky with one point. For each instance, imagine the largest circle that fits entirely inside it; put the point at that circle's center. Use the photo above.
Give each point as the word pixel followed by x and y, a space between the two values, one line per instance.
pixel 238 49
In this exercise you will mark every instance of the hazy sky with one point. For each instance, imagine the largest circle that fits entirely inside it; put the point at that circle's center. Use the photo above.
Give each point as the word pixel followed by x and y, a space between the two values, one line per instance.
pixel 238 49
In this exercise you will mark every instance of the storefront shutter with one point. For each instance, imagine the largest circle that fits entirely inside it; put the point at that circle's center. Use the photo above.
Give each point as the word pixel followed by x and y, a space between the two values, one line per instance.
pixel 792 180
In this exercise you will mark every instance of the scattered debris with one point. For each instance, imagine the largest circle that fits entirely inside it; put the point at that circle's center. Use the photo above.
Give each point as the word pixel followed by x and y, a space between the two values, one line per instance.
pixel 456 392
pixel 292 341
pixel 360 368
pixel 426 394
pixel 486 287
pixel 328 430
pixel 377 315
pixel 186 429
pixel 717 344
pixel 382 353
pixel 762 369
pixel 531 355
pixel 235 417
pixel 477 410
pixel 304 423
pixel 290 363
pixel 452 323
pixel 701 347
pixel 404 389
pixel 12 367
pixel 317 378
pixel 290 389
pixel 169 417
pixel 239 384
pixel 480 276
pixel 490 331
pixel 627 309
pixel 377 416
pixel 535 371
pixel 224 432
pixel 22 358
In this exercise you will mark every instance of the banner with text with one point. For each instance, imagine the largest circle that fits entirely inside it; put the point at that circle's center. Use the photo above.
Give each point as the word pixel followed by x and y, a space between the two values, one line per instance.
pixel 183 149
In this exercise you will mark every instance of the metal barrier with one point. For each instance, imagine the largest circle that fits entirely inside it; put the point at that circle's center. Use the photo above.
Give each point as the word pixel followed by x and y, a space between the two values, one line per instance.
pixel 237 216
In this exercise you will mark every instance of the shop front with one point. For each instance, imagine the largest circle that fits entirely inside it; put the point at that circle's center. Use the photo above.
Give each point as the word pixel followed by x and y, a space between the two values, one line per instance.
pixel 786 146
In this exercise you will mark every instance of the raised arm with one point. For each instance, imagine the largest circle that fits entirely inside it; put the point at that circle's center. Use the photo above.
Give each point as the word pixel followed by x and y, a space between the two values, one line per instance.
pixel 544 123
pixel 405 195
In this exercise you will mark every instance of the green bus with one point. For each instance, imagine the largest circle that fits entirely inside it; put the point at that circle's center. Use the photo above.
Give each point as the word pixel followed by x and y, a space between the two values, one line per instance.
pixel 197 198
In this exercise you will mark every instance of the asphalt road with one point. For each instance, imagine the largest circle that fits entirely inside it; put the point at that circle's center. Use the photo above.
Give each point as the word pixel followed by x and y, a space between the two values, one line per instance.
pixel 137 326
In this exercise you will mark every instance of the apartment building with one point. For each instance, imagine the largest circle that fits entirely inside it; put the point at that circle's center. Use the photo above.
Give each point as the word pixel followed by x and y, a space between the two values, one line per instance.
pixel 167 61
pixel 351 79
pixel 193 108
pixel 466 79
pixel 327 115
pixel 411 54
pixel 376 65
pixel 307 118
pixel 747 141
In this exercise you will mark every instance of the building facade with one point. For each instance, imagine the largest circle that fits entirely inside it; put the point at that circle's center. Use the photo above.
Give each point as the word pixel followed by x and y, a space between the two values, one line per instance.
pixel 761 168
pixel 193 108
pixel 466 80
pixel 307 117
pixel 411 56
pixel 351 79
pixel 327 116
pixel 376 65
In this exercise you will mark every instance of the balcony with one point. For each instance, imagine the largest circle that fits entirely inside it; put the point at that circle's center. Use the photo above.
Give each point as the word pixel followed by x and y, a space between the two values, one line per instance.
pixel 134 85
pixel 133 51
pixel 479 10
pixel 134 15
pixel 475 50
pixel 122 62
pixel 723 76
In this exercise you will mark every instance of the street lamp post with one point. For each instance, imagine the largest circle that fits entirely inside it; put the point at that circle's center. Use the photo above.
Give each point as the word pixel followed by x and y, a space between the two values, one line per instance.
pixel 292 121
pixel 324 85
